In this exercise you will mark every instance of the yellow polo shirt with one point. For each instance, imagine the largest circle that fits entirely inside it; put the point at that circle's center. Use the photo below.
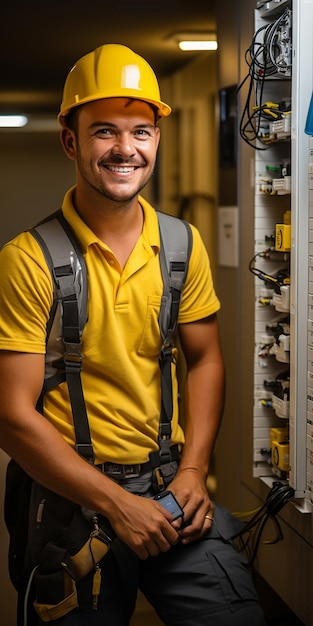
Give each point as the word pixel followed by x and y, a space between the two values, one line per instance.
pixel 121 340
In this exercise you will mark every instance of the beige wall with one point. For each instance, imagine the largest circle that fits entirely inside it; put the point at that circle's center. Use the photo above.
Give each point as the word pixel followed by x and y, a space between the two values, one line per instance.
pixel 188 163
pixel 34 174
pixel 228 447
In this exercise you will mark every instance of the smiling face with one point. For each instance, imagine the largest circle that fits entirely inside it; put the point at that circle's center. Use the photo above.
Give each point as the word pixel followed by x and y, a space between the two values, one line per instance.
pixel 114 145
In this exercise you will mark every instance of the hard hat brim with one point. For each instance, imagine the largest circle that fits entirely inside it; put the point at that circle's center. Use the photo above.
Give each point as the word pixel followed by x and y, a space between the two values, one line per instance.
pixel 162 108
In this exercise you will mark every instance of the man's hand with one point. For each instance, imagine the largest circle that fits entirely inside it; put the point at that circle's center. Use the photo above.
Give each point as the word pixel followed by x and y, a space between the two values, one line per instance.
pixel 190 490
pixel 144 525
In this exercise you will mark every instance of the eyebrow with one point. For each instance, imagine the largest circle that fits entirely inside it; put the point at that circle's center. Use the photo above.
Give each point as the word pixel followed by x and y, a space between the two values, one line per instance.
pixel 112 125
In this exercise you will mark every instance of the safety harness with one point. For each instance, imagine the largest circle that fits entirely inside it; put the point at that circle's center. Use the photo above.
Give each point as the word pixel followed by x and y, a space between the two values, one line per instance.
pixel 67 553
pixel 69 275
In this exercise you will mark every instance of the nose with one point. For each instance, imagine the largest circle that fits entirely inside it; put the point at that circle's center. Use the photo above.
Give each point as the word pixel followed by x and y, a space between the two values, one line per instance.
pixel 124 146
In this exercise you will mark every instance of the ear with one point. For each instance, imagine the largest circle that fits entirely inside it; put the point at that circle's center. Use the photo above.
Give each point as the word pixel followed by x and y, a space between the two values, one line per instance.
pixel 68 141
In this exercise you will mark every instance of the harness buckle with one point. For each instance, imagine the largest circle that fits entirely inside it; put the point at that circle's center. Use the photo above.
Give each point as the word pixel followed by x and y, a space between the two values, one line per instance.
pixel 73 354
pixel 159 478
pixel 166 351
pixel 165 443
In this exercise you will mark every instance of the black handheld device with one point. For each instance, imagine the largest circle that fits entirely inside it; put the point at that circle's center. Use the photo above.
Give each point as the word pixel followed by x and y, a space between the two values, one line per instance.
pixel 168 500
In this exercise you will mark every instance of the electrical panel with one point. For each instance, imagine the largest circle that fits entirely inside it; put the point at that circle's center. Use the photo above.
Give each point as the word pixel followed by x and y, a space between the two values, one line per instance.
pixel 272 123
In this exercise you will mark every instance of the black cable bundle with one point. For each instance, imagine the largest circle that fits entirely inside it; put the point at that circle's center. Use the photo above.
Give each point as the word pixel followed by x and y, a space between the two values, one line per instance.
pixel 263 61
pixel 275 281
pixel 250 536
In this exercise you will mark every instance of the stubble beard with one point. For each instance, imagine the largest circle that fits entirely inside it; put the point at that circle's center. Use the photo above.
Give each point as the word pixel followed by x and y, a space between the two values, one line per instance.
pixel 102 191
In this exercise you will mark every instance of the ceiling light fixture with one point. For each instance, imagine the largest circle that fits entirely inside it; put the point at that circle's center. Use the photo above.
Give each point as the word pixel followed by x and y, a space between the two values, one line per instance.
pixel 13 121
pixel 197 45
pixel 196 41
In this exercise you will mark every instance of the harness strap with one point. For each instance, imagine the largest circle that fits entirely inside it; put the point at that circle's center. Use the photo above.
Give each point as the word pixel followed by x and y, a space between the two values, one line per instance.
pixel 73 299
pixel 174 257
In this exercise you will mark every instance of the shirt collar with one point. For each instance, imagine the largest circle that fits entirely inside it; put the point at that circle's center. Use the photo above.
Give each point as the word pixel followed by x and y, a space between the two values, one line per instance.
pixel 86 237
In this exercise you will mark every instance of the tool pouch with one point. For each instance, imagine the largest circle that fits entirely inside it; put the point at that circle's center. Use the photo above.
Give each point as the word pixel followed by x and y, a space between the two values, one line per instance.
pixel 57 574
pixel 55 585
pixel 73 551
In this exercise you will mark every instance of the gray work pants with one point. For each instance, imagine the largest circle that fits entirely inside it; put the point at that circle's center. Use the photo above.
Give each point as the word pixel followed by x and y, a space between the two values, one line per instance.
pixel 206 583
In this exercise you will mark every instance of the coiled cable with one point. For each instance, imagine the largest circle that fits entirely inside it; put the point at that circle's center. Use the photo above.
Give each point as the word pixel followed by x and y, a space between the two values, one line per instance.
pixel 249 537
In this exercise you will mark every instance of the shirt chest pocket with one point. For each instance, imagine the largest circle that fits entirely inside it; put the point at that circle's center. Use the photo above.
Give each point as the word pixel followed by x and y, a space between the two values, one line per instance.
pixel 150 343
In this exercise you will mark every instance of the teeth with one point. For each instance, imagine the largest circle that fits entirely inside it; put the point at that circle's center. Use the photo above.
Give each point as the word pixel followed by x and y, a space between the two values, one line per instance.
pixel 122 170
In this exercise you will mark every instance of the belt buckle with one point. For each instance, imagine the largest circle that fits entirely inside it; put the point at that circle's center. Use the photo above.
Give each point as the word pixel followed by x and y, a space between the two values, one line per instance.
pixel 112 468
pixel 131 471
pixel 117 470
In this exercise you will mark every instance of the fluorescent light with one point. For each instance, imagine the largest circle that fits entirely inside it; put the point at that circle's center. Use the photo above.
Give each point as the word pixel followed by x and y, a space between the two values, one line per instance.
pixel 13 121
pixel 195 40
pixel 197 45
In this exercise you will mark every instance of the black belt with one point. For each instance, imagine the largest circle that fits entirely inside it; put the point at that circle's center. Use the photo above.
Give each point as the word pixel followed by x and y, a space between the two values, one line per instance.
pixel 118 470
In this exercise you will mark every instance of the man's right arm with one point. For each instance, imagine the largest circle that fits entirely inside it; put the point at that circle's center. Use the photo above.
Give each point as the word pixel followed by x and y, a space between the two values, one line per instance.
pixel 38 447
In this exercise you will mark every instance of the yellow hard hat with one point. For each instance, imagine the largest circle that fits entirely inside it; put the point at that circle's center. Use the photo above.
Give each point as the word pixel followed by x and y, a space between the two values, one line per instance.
pixel 111 71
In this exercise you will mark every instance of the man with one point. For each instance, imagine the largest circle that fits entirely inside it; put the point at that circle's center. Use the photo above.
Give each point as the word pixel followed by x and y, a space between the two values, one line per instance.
pixel 109 116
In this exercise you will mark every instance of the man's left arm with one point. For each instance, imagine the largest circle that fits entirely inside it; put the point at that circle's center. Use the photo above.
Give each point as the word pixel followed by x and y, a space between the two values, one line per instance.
pixel 204 401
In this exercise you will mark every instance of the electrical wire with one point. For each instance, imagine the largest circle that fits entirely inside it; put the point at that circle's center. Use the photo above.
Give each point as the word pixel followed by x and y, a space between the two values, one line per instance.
pixel 274 44
pixel 264 60
pixel 248 126
pixel 26 596
pixel 250 537
pixel 281 277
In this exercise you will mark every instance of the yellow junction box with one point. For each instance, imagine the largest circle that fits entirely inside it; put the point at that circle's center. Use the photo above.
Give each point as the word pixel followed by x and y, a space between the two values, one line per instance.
pixel 279 434
pixel 280 455
pixel 279 443
pixel 283 237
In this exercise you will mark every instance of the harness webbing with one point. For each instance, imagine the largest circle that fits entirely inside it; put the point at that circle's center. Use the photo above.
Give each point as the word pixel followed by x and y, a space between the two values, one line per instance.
pixel 70 290
pixel 69 275
pixel 174 256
